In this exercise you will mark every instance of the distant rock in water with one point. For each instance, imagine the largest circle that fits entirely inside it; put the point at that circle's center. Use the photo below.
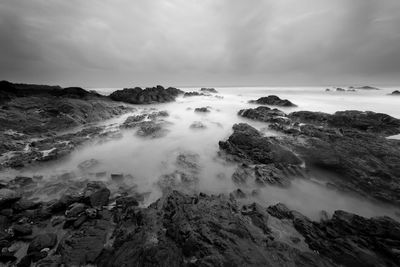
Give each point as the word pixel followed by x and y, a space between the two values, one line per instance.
pixel 188 94
pixel 150 95
pixel 210 90
pixel 397 92
pixel 273 100
pixel 203 109
pixel 264 114
pixel 340 89
pixel 364 87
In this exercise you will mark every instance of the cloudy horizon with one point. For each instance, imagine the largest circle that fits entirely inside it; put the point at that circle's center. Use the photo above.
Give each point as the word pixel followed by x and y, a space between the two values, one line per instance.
pixel 200 43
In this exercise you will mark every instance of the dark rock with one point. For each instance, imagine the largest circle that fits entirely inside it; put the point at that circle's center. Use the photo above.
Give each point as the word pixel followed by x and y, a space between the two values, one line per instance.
pixel 25 204
pixel 188 94
pixel 91 213
pixel 132 121
pixel 83 246
pixel 201 230
pixel 117 177
pixel 273 100
pixel 96 194
pixel 7 257
pixel 265 114
pixel 203 109
pixel 271 175
pixel 147 96
pixel 366 87
pixel 151 129
pixel 39 242
pixel 8 197
pixel 246 143
pixel 75 210
pixel 340 89
pixel 22 229
pixel 396 92
pixel 209 90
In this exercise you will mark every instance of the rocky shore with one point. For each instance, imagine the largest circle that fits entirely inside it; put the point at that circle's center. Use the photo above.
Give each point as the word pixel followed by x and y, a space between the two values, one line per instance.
pixel 101 218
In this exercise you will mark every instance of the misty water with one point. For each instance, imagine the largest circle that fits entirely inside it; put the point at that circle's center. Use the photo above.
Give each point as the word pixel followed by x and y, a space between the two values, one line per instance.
pixel 144 160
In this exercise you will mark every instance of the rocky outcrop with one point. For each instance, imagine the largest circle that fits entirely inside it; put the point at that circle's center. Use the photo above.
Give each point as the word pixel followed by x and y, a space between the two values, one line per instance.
pixel 348 239
pixel 334 142
pixel 366 87
pixel 202 110
pixel 209 90
pixel 149 95
pixel 201 230
pixel 188 94
pixel 247 144
pixel 396 92
pixel 273 100
pixel 264 114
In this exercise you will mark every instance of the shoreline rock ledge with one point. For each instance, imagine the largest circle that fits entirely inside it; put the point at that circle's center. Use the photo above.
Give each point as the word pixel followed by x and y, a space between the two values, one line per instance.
pixel 273 100
pixel 149 95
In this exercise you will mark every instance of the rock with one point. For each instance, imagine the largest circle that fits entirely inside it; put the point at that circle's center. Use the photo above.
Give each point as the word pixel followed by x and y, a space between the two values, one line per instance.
pixel 151 129
pixel 25 204
pixel 327 90
pixel 91 213
pixel 203 109
pixel 396 92
pixel 8 197
pixel 22 229
pixel 132 121
pixel 83 246
pixel 246 143
pixel 88 164
pixel 96 194
pixel 366 87
pixel 75 210
pixel 7 257
pixel 273 100
pixel 117 177
pixel 201 230
pixel 39 242
pixel 209 90
pixel 156 115
pixel 21 181
pixel 197 125
pixel 340 89
pixel 265 114
pixel 138 95
pixel 271 175
pixel 188 94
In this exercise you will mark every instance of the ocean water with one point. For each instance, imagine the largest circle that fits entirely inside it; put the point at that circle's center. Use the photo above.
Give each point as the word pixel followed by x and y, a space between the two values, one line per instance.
pixel 145 160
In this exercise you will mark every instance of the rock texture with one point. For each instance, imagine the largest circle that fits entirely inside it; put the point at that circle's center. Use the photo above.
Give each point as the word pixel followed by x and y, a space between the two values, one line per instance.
pixel 396 92
pixel 209 90
pixel 350 144
pixel 273 100
pixel 149 95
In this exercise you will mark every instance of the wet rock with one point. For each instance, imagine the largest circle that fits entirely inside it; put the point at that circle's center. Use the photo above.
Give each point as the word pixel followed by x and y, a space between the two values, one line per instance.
pixel 188 94
pixel 21 181
pixel 156 115
pixel 182 230
pixel 271 175
pixel 132 121
pixel 25 204
pixel 88 164
pixel 75 210
pixel 96 194
pixel 151 129
pixel 149 95
pixel 273 100
pixel 42 241
pixel 340 89
pixel 83 246
pixel 197 125
pixel 7 197
pixel 7 257
pixel 203 109
pixel 22 229
pixel 246 143
pixel 91 213
pixel 209 90
pixel 265 114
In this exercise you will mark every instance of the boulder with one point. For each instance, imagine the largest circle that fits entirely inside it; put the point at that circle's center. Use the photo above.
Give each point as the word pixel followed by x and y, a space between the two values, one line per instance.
pixel 203 109
pixel 42 241
pixel 265 114
pixel 209 90
pixel 149 95
pixel 273 100
pixel 396 92
pixel 96 194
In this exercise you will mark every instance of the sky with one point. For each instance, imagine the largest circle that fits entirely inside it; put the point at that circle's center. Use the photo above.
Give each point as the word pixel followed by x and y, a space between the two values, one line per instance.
pixel 121 43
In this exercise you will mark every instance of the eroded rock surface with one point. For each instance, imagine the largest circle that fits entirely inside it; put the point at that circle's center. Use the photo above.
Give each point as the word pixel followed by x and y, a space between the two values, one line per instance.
pixel 273 100
pixel 149 95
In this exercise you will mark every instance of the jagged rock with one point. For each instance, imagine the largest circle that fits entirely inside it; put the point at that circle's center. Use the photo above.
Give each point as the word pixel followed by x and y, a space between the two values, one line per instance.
pixel 96 194
pixel 132 121
pixel 188 94
pixel 209 90
pixel 265 114
pixel 83 246
pixel 246 143
pixel 42 241
pixel 203 109
pixel 151 129
pixel 22 229
pixel 201 230
pixel 147 96
pixel 273 100
pixel 8 197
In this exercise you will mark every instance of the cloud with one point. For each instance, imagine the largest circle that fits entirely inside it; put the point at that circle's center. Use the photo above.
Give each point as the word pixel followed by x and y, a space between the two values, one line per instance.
pixel 184 42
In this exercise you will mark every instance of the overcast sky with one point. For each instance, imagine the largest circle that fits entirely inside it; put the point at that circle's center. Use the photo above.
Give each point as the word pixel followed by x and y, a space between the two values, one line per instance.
pixel 116 43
